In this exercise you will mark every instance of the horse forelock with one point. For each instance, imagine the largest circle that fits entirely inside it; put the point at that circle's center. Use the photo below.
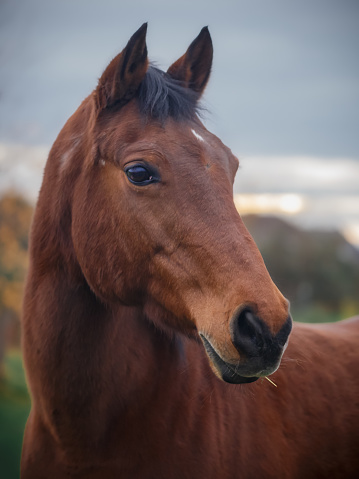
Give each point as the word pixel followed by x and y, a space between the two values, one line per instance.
pixel 160 97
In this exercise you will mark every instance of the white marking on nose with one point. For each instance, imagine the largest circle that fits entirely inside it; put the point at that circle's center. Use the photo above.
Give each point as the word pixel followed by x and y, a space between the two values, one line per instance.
pixel 197 135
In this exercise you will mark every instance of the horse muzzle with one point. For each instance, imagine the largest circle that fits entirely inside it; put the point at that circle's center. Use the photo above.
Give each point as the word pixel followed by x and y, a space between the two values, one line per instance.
pixel 260 351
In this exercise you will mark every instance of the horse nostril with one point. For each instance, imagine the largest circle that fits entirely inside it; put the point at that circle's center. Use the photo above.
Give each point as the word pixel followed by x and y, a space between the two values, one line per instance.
pixel 248 332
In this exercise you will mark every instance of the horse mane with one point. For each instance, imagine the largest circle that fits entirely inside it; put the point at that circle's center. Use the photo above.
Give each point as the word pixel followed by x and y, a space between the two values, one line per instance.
pixel 160 97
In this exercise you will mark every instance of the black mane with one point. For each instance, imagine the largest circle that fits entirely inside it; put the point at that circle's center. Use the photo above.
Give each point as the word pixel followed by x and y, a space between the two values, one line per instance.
pixel 161 97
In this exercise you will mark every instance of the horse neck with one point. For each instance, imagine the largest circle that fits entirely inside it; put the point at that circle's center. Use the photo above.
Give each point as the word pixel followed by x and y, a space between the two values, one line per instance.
pixel 92 361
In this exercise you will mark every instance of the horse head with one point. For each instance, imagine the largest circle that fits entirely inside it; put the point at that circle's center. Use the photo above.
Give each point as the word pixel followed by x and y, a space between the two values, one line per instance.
pixel 153 223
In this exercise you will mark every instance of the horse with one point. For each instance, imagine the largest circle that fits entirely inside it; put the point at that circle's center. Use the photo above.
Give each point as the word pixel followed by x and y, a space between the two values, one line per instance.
pixel 150 321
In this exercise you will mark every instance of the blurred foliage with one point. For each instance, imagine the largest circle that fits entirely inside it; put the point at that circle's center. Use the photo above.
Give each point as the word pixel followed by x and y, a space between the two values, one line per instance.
pixel 318 271
pixel 14 409
pixel 15 219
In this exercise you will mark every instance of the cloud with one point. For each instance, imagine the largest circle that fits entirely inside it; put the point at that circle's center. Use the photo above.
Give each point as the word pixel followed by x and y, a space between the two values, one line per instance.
pixel 298 174
pixel 21 168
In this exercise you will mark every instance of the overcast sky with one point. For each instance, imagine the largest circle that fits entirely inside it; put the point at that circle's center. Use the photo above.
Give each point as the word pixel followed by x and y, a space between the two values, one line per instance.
pixel 285 76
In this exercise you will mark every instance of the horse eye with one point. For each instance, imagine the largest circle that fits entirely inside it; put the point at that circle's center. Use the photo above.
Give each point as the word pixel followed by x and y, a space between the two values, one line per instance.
pixel 140 175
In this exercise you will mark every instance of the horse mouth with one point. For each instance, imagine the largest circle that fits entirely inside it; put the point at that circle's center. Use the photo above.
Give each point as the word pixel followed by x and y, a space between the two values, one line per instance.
pixel 226 370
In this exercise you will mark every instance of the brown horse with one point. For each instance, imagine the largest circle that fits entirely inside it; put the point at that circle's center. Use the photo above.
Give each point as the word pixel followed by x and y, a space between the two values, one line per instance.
pixel 143 278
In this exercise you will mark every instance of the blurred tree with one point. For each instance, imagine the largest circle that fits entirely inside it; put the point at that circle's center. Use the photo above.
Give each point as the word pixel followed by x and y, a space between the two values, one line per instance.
pixel 15 219
pixel 313 269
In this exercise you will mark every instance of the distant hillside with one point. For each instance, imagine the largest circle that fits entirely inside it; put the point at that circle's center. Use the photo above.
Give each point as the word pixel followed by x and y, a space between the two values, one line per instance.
pixel 312 268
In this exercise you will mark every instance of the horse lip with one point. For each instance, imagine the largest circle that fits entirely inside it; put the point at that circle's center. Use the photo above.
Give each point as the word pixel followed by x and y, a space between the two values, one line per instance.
pixel 226 370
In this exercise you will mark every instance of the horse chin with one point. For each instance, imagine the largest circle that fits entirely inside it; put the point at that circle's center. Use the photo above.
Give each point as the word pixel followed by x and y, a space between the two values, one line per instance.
pixel 225 371
pixel 234 378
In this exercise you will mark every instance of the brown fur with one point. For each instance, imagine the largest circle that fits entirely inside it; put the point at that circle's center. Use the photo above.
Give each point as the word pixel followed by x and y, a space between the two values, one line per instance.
pixel 123 277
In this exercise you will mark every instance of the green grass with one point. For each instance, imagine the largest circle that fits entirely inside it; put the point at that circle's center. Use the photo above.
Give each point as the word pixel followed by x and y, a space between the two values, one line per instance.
pixel 14 409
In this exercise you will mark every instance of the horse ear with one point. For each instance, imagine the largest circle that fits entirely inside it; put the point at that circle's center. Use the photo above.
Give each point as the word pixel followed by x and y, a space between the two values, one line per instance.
pixel 194 67
pixel 121 79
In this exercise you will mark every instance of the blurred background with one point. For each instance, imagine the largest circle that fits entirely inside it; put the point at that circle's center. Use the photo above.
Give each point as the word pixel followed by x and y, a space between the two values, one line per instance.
pixel 284 95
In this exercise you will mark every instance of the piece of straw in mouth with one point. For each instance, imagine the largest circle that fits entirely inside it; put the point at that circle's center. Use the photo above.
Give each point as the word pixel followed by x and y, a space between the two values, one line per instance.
pixel 267 378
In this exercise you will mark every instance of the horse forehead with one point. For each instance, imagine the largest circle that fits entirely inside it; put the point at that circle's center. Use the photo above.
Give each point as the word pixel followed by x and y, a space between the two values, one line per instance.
pixel 174 139
pixel 199 138
pixel 132 128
